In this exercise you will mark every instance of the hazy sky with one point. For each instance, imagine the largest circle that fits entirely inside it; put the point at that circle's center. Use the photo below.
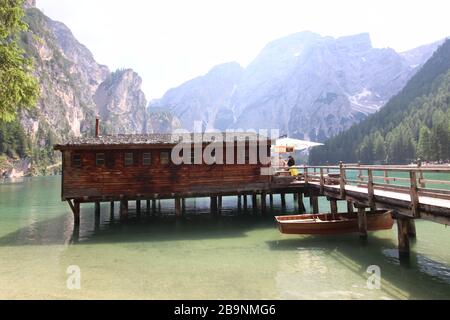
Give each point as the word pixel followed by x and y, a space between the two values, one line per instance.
pixel 171 41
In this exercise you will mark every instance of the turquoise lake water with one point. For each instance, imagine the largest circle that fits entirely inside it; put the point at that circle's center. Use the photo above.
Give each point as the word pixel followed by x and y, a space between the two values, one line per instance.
pixel 235 256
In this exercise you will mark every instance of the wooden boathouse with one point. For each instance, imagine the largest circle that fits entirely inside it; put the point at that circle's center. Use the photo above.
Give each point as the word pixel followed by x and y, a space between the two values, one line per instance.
pixel 127 168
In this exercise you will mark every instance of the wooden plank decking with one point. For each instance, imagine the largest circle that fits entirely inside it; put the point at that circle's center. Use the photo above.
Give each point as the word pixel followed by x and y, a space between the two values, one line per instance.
pixel 434 209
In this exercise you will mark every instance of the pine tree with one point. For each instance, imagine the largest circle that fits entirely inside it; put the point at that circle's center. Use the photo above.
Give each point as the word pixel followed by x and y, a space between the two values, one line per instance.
pixel 18 88
pixel 379 148
pixel 423 147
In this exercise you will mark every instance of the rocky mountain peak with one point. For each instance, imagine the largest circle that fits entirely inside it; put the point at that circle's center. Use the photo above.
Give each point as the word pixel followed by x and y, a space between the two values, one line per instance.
pixel 416 57
pixel 355 43
pixel 29 4
pixel 121 103
pixel 305 85
pixel 83 60
pixel 229 68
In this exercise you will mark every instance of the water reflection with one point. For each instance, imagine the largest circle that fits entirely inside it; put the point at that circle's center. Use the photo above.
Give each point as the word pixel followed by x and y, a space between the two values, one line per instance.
pixel 399 280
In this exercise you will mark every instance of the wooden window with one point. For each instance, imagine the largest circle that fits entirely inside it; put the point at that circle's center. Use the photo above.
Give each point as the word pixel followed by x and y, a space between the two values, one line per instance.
pixel 129 159
pixel 164 158
pixel 147 159
pixel 110 160
pixel 76 160
pixel 100 159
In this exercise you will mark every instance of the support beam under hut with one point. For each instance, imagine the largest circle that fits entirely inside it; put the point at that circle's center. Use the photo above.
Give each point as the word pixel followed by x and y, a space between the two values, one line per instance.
pixel 283 200
pixel 138 206
pixel 263 202
pixel 124 209
pixel 214 205
pixel 75 207
pixel 255 202
pixel 219 204
pixel 178 208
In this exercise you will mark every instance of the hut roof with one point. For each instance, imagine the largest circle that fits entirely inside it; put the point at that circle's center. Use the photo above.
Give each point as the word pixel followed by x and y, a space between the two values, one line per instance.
pixel 128 140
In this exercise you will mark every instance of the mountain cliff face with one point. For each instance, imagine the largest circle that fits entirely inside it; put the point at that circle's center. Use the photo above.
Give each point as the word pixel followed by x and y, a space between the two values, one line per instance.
pixel 204 99
pixel 307 86
pixel 121 103
pixel 66 107
pixel 84 64
pixel 416 57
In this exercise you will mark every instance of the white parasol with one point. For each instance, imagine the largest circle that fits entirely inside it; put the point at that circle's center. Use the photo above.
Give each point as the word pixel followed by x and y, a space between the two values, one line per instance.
pixel 295 144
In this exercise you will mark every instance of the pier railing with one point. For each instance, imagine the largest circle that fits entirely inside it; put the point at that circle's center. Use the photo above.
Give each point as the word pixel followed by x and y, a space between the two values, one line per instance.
pixel 429 181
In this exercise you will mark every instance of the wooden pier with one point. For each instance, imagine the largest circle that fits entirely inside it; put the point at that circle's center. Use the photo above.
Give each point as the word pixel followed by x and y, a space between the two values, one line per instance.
pixel 122 169
pixel 404 189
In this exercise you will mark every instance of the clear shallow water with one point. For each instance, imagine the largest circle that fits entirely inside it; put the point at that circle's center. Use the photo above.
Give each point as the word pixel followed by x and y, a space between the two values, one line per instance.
pixel 199 257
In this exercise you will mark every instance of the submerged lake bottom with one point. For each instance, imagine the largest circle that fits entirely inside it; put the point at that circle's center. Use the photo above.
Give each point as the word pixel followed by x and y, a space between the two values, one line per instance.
pixel 236 255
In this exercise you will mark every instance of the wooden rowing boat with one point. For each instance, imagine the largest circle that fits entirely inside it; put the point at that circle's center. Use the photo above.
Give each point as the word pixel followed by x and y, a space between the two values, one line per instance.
pixel 333 224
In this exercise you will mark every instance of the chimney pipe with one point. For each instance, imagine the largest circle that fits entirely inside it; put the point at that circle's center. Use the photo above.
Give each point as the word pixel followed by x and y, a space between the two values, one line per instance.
pixel 97 127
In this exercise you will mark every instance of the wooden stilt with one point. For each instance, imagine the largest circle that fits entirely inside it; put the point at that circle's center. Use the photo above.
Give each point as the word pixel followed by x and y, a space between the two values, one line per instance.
pixel 403 237
pixel 263 203
pixel 97 215
pixel 362 222
pixel 219 204
pixel 75 234
pixel 301 205
pixel 296 208
pixel 138 206
pixel 97 223
pixel 154 206
pixel 124 208
pixel 239 203
pixel 183 205
pixel 271 200
pixel 333 206
pixel 77 213
pixel 315 205
pixel 178 211
pixel 159 207
pixel 214 205
pixel 112 209
pixel 412 229
pixel 350 208
pixel 254 203
pixel 97 209
pixel 75 207
pixel 245 203
pixel 148 206
pixel 283 200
